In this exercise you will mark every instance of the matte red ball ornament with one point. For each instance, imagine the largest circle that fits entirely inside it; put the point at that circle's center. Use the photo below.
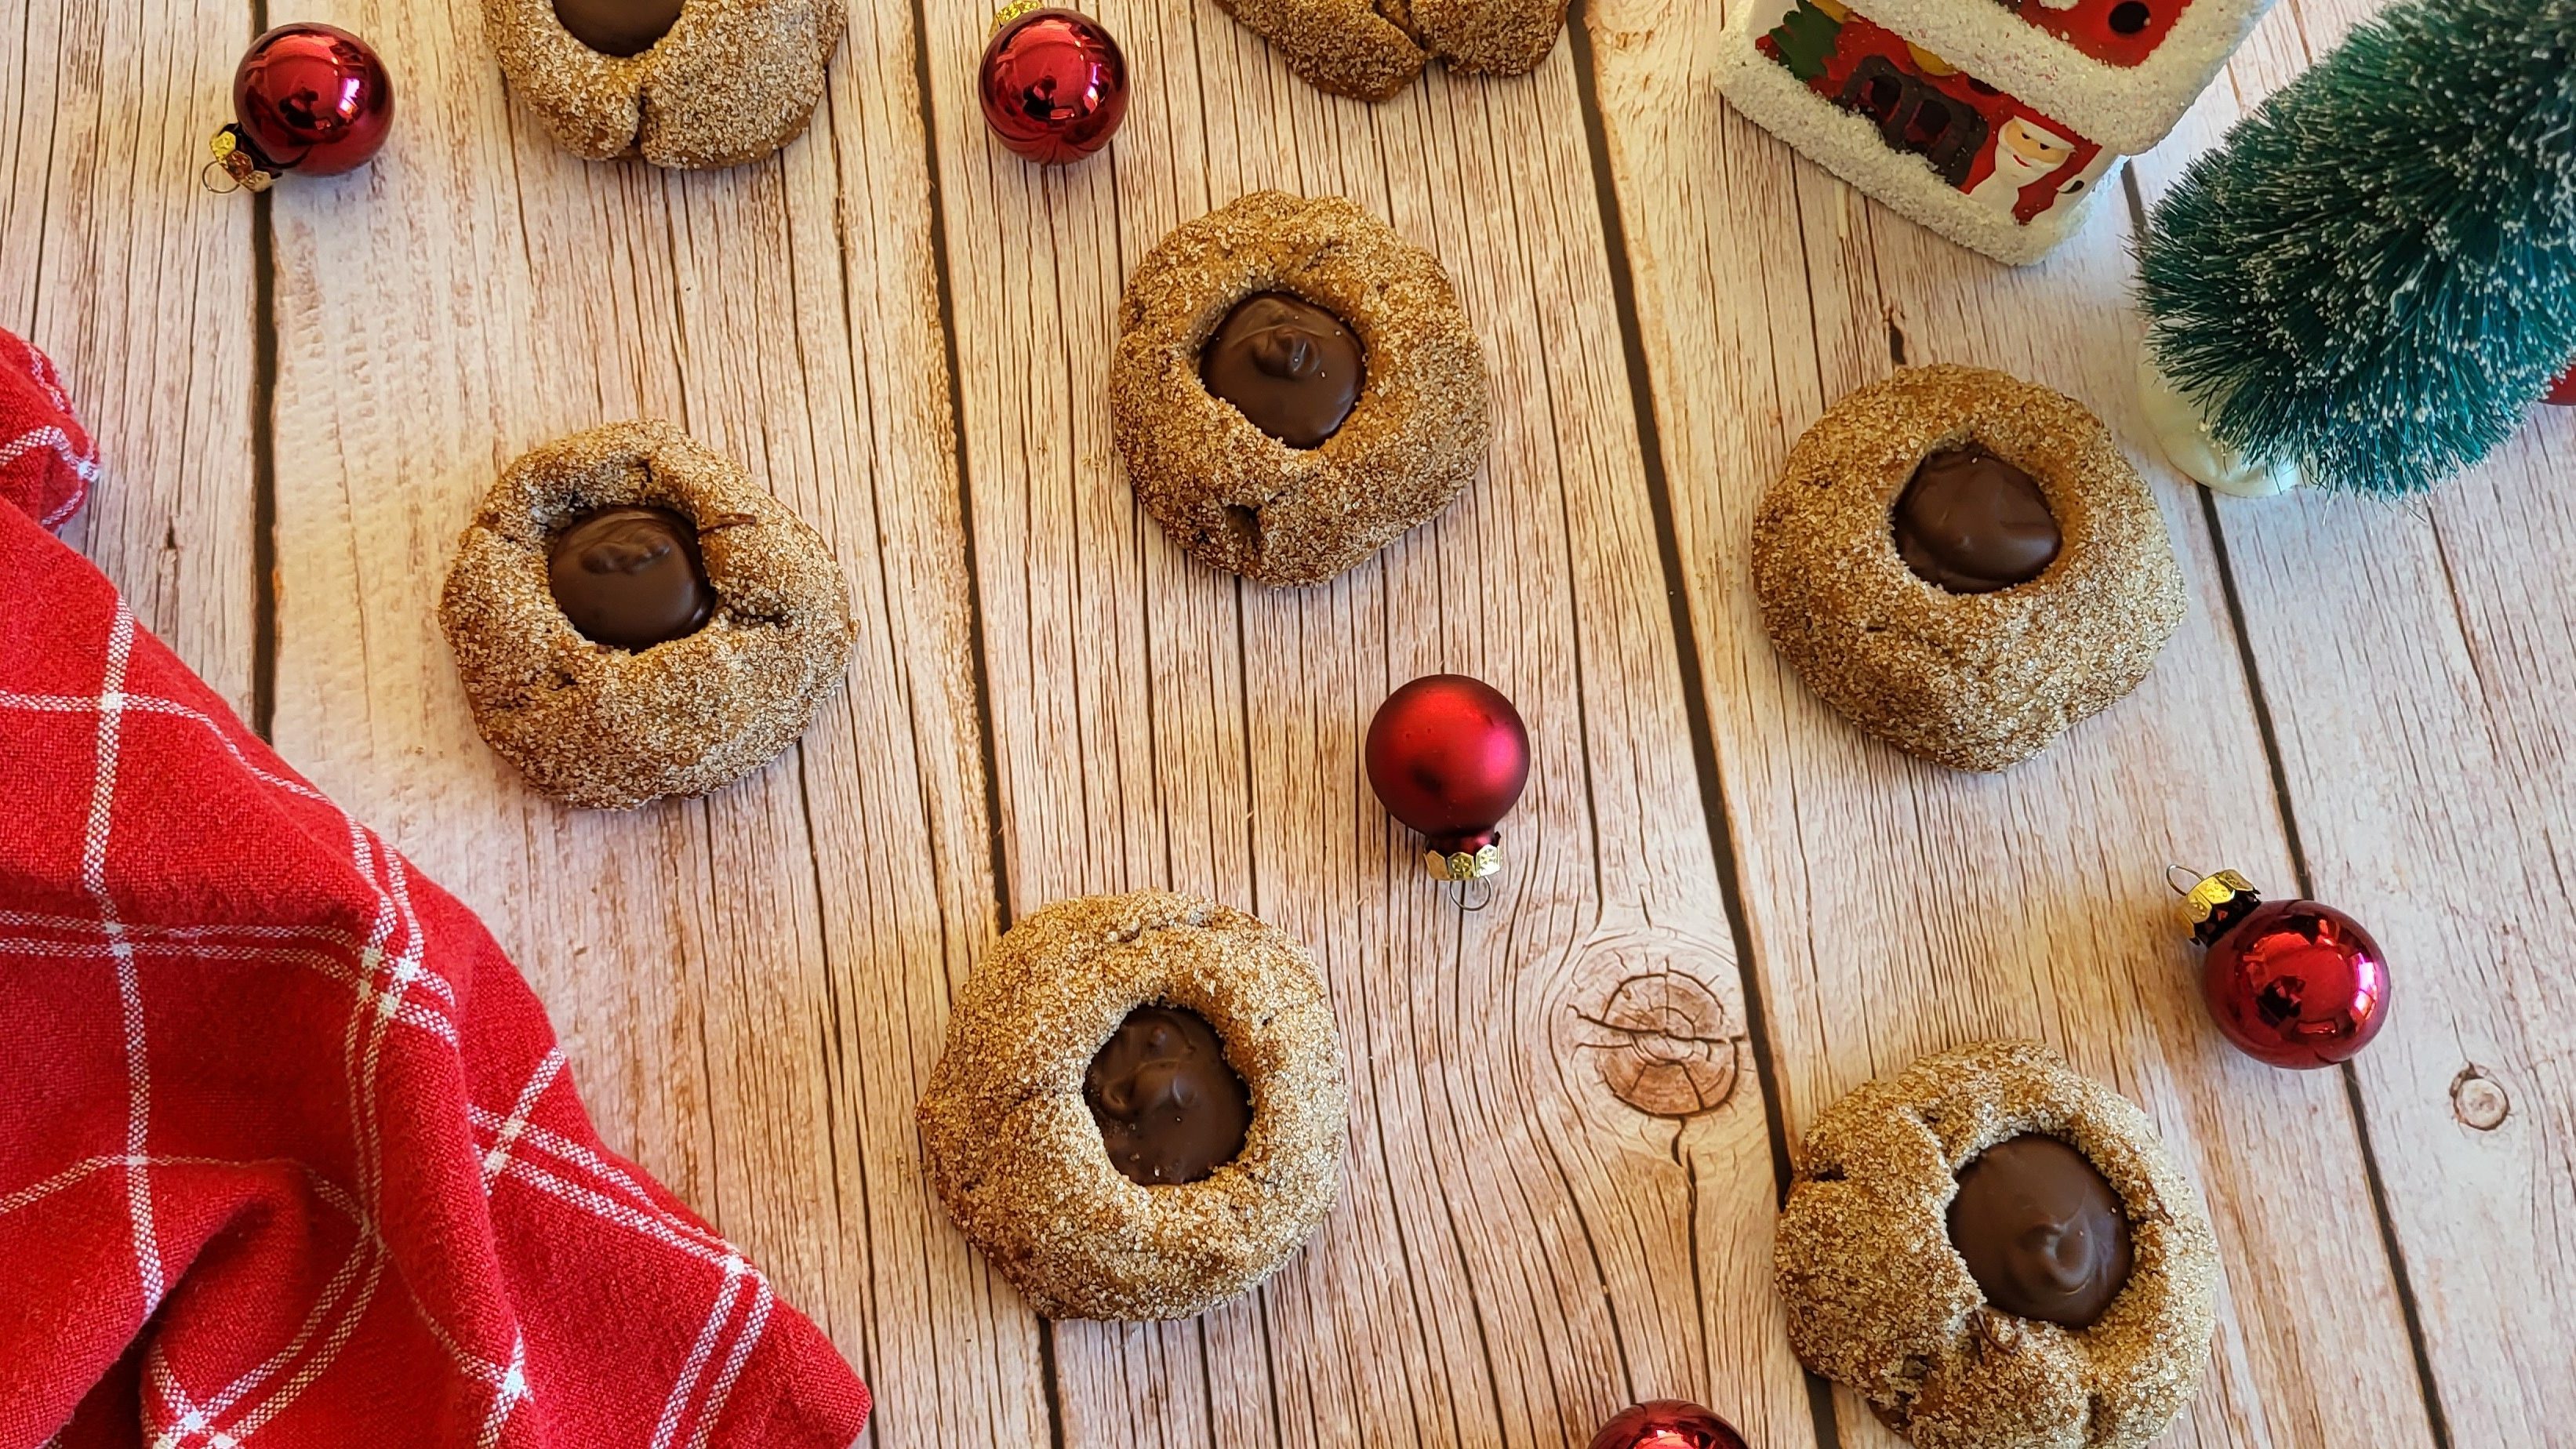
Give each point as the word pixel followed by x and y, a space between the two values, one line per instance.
pixel 2563 391
pixel 1667 1424
pixel 309 98
pixel 1053 84
pixel 2292 983
pixel 1448 756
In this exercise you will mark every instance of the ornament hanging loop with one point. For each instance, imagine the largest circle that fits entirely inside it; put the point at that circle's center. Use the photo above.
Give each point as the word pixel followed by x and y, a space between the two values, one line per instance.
pixel 1475 894
pixel 236 162
pixel 2181 878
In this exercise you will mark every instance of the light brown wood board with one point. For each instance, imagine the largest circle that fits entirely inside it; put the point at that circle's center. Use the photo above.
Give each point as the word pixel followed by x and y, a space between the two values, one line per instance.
pixel 903 331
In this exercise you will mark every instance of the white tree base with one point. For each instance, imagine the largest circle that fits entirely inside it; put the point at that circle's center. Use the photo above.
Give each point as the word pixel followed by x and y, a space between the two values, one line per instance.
pixel 2183 432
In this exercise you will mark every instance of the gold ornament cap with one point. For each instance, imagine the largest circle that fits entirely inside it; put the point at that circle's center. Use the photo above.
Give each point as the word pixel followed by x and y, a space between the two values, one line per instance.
pixel 2203 899
pixel 237 162
pixel 1003 17
pixel 1464 865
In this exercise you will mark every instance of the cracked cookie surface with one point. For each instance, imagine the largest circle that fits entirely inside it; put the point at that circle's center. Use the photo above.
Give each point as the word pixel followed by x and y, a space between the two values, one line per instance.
pixel 605 727
pixel 1372 49
pixel 1880 1300
pixel 1240 499
pixel 730 81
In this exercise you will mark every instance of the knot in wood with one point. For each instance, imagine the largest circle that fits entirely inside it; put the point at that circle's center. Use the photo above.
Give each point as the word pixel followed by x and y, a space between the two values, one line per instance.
pixel 2478 1100
pixel 1662 1043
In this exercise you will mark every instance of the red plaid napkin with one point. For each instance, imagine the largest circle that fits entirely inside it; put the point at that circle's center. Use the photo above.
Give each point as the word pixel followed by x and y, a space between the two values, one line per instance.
pixel 287 1154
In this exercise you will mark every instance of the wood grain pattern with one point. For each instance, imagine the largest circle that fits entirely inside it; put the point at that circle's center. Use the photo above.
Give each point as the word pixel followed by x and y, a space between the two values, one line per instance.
pixel 1896 907
pixel 141 287
pixel 1568 1116
pixel 750 986
pixel 1515 1255
pixel 2418 662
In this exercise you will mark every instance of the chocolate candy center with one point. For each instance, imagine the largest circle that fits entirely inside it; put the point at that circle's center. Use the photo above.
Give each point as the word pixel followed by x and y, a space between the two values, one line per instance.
pixel 1972 523
pixel 1169 1107
pixel 618 27
pixel 1291 367
pixel 2043 1234
pixel 631 578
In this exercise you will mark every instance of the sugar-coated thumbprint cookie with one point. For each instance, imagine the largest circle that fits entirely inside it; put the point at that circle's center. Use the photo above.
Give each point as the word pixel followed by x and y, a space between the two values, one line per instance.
pixel 1140 1110
pixel 634 618
pixel 1294 385
pixel 683 83
pixel 1373 48
pixel 1964 564
pixel 1996 1252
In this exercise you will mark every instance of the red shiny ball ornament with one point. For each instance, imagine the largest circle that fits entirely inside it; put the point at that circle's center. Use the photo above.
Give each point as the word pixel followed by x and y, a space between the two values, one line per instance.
pixel 2292 983
pixel 307 97
pixel 1052 83
pixel 1448 756
pixel 2563 391
pixel 1667 1424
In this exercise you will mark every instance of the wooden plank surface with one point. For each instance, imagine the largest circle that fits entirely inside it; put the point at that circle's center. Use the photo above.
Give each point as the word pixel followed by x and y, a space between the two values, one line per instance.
pixel 1897 907
pixel 2418 662
pixel 751 986
pixel 1156 723
pixel 142 288
pixel 904 333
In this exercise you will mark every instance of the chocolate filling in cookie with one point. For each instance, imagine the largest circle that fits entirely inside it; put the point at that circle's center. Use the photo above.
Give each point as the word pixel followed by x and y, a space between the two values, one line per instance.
pixel 1170 1108
pixel 618 27
pixel 1971 523
pixel 1291 367
pixel 1195 1045
pixel 2043 1234
pixel 631 577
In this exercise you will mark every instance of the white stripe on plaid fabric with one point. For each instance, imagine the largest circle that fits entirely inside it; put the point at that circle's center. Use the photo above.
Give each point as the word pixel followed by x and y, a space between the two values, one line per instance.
pixel 313 1367
pixel 84 468
pixel 506 1135
pixel 88 1167
pixel 129 986
pixel 685 1387
pixel 187 1422
pixel 391 1001
pixel 328 1192
pixel 414 1014
pixel 367 1029
pixel 191 1422
pixel 42 921
pixel 41 368
pixel 473 1366
pixel 506 1396
pixel 389 982
pixel 573 1154
pixel 174 941
pixel 83 465
pixel 650 1222
pixel 153 704
pixel 743 1343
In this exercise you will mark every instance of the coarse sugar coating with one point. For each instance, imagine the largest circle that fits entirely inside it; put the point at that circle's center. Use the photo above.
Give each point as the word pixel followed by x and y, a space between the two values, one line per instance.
pixel 732 80
pixel 1372 49
pixel 1014 1151
pixel 1878 1299
pixel 1241 500
pixel 1972 681
pixel 603 727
